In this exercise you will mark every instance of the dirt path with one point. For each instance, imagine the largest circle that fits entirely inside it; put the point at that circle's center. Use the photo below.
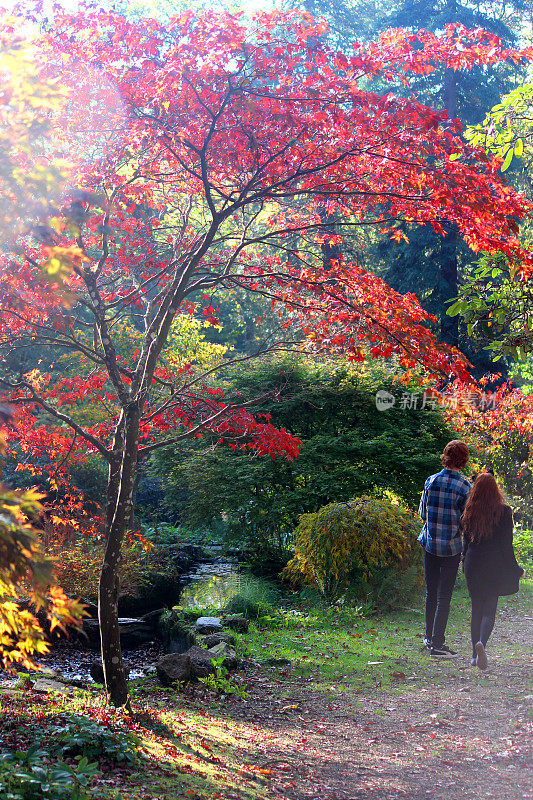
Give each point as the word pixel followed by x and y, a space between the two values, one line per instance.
pixel 453 734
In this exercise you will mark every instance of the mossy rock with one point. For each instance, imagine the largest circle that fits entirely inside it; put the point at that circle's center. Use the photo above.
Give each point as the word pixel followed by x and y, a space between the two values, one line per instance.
pixel 212 639
pixel 242 606
pixel 237 623
pixel 176 632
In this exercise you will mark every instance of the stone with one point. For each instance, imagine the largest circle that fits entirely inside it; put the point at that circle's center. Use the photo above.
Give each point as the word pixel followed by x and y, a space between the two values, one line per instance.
pixel 133 633
pixel 184 667
pixel 222 649
pixel 47 685
pixel 96 671
pixel 174 668
pixel 215 638
pixel 47 672
pixel 237 623
pixel 180 640
pixel 201 660
pixel 208 625
pixel 10 691
pixel 153 617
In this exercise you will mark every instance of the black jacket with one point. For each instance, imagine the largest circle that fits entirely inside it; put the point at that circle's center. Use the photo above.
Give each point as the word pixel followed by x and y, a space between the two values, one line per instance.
pixel 490 565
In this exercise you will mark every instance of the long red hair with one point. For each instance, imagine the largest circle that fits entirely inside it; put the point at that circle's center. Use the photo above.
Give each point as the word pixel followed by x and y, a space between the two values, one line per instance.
pixel 483 508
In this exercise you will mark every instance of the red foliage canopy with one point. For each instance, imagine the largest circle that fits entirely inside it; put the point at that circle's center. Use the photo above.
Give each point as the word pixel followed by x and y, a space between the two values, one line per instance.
pixel 210 156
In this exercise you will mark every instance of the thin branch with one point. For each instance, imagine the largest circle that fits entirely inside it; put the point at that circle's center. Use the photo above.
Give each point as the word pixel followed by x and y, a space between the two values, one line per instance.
pixel 36 398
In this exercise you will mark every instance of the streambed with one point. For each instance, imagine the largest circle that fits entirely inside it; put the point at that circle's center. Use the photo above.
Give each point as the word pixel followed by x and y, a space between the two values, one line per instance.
pixel 205 584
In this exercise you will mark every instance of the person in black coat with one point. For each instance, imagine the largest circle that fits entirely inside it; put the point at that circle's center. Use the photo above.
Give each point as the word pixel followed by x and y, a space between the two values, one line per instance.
pixel 490 566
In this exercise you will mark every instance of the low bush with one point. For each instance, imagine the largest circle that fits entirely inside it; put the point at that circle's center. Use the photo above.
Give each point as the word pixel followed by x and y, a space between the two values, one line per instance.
pixel 78 567
pixel 221 683
pixel 246 606
pixel 523 546
pixel 74 735
pixel 28 775
pixel 352 543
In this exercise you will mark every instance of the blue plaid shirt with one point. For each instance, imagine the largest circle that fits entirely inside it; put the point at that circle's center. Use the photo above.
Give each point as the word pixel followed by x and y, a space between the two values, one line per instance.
pixel 441 506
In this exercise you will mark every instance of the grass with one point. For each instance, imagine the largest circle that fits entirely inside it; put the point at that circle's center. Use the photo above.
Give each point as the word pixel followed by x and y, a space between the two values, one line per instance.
pixel 194 746
pixel 339 646
pixel 212 595
pixel 184 750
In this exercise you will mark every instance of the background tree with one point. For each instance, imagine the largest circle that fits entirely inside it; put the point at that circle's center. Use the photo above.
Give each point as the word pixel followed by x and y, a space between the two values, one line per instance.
pixel 496 306
pixel 428 265
pixel 347 449
pixel 420 261
pixel 204 136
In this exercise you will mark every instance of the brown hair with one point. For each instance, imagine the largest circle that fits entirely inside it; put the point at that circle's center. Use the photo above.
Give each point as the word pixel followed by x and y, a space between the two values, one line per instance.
pixel 455 455
pixel 483 508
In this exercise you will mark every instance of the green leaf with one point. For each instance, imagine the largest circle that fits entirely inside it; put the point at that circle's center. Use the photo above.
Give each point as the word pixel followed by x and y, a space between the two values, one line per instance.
pixel 518 148
pixel 457 308
pixel 507 160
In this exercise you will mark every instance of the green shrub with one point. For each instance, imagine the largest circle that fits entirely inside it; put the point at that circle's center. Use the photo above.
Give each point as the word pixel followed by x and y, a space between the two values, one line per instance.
pixel 221 683
pixel 249 607
pixel 74 735
pixel 26 775
pixel 351 541
pixel 388 588
pixel 523 546
pixel 348 449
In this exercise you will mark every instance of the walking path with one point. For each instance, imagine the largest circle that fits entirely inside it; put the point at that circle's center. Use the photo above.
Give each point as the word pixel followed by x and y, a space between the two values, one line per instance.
pixel 453 733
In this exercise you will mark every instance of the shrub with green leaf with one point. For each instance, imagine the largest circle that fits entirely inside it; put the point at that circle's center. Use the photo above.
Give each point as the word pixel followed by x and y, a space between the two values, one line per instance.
pixel 28 775
pixel 75 735
pixel 356 540
pixel 523 546
pixel 221 683
pixel 349 448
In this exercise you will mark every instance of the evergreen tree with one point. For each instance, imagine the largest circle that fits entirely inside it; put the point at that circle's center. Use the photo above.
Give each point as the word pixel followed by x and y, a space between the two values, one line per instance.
pixel 430 265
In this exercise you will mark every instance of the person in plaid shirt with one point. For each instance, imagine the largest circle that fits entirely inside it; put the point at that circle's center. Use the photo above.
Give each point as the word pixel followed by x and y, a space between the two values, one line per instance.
pixel 441 507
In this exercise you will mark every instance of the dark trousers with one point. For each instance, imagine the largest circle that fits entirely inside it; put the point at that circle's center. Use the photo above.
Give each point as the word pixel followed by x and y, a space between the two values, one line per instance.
pixel 440 574
pixel 482 620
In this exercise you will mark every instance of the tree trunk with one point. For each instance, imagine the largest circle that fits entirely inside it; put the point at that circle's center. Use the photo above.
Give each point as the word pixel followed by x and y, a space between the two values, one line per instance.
pixel 122 472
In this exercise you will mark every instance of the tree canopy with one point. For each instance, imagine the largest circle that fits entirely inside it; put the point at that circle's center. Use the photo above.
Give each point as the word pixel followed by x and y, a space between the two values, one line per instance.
pixel 211 148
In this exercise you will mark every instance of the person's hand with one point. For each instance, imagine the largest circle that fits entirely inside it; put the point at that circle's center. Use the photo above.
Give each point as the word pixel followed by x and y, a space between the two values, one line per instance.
pixel 523 575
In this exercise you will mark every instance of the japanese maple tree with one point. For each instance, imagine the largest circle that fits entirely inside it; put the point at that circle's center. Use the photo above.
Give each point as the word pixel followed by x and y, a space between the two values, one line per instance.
pixel 205 153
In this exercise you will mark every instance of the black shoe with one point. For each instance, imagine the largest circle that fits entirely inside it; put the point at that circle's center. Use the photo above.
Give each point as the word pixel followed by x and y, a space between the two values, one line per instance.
pixel 443 652
pixel 481 656
pixel 427 644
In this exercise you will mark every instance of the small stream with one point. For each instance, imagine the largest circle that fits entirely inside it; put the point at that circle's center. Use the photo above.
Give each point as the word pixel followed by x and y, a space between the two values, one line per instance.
pixel 206 584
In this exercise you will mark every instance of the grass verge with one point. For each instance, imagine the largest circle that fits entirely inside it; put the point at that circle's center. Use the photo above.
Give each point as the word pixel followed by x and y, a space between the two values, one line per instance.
pixel 194 746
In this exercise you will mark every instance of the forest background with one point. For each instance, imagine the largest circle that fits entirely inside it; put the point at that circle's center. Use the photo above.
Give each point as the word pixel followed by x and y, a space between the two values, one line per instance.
pixel 250 500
